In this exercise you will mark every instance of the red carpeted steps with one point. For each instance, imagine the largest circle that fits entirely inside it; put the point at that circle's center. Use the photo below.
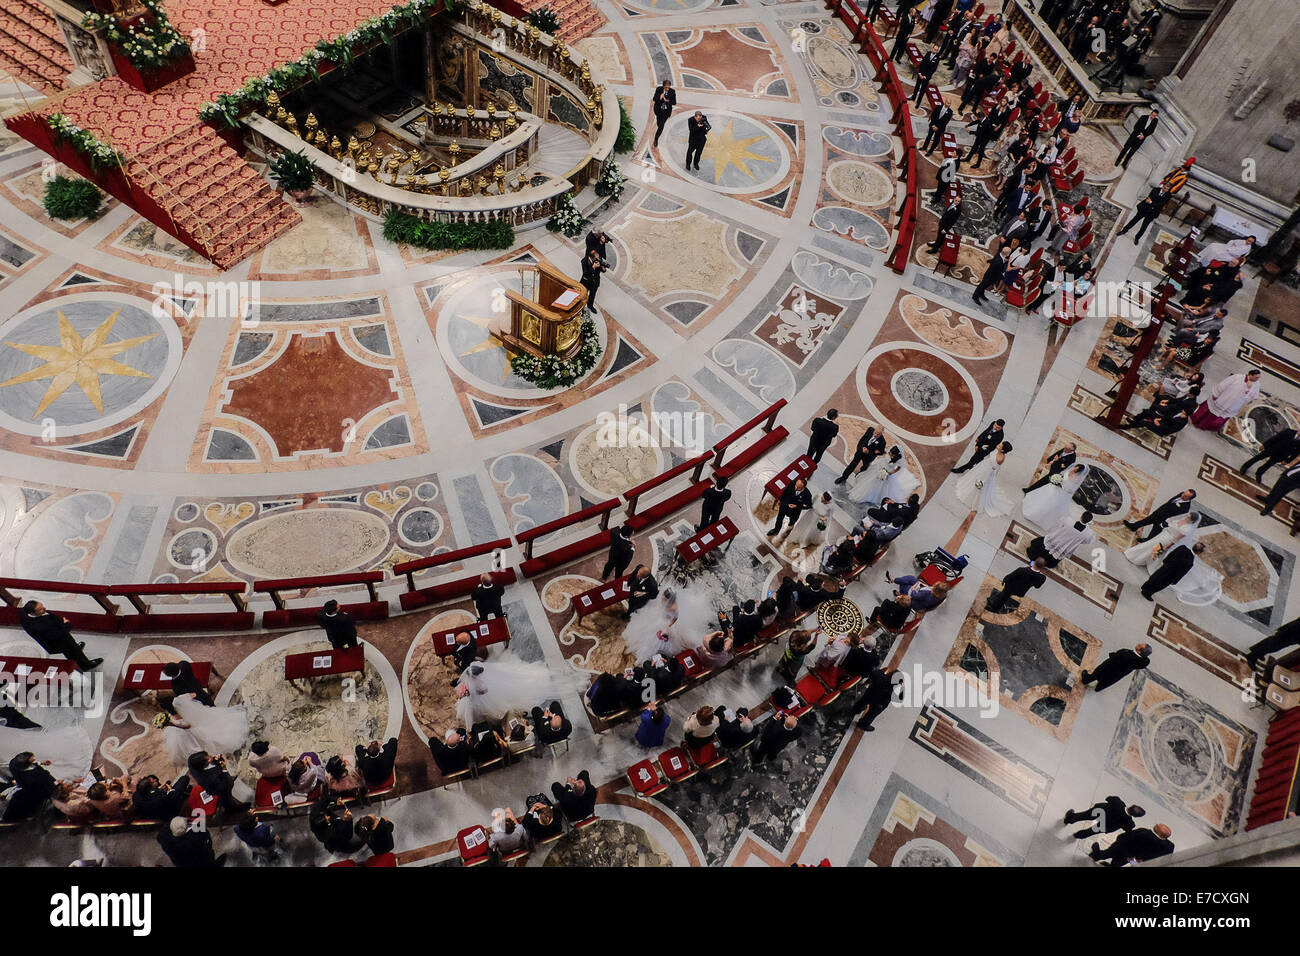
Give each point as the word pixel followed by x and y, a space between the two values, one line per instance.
pixel 1276 779
pixel 578 18
pixel 214 198
pixel 31 46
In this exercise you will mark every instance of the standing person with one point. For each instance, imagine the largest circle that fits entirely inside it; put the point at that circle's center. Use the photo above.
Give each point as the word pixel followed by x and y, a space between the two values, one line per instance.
pixel 487 596
pixel 1057 462
pixel 823 431
pixel 874 700
pixel 979 491
pixel 1017 584
pixel 598 240
pixel 621 549
pixel 1177 179
pixel 34 783
pixel 986 131
pixel 697 136
pixel 1118 665
pixel 714 500
pixel 54 635
pixel 1287 482
pixel 938 16
pixel 1106 817
pixel 781 730
pixel 1285 636
pixel 988 440
pixel 339 626
pixel 905 24
pixel 1142 130
pixel 870 447
pixel 1227 398
pixel 1147 211
pixel 1063 540
pixel 188 849
pixel 576 797
pixel 1172 569
pixel 592 266
pixel 1135 846
pixel 794 501
pixel 1176 506
pixel 947 220
pixel 993 274
pixel 939 117
pixel 665 98
pixel 924 71
pixel 809 532
pixel 653 726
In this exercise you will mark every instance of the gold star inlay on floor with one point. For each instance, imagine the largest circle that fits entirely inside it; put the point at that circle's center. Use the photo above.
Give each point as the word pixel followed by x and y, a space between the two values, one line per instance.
pixel 726 149
pixel 488 344
pixel 77 360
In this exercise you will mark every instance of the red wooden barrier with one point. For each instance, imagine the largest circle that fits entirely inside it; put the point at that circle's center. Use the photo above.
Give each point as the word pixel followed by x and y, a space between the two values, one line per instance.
pixel 145 620
pixel 569 552
pixel 283 616
pixel 775 434
pixel 11 613
pixel 449 590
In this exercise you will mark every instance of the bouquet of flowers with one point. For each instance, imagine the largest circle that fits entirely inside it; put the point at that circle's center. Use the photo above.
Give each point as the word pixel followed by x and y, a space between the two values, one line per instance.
pixel 567 220
pixel 1158 550
pixel 883 473
pixel 821 524
pixel 1056 479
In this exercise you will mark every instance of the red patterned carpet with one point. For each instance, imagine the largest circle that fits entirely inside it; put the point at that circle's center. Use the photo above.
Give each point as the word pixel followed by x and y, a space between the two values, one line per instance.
pixel 578 18
pixel 31 47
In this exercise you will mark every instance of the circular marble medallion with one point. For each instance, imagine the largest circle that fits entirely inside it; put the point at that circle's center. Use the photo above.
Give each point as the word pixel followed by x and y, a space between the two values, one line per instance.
pixel 419 526
pixel 187 512
pixel 742 154
pixel 289 545
pixel 860 183
pixel 923 851
pixel 607 843
pixel 1101 493
pixel 1182 752
pixel 192 549
pixel 616 454
pixel 920 391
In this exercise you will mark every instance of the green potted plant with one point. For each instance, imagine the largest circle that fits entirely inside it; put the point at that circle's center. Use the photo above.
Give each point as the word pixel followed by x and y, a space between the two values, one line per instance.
pixel 295 173
pixel 72 199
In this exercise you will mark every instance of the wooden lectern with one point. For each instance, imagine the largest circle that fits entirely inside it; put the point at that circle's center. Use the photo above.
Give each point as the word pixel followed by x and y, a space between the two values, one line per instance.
pixel 553 324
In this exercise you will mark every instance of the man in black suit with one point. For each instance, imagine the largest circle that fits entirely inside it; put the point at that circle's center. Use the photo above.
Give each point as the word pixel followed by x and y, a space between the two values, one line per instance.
pixel 776 734
pixel 892 613
pixel 621 550
pixel 1142 131
pixel 1285 636
pixel 823 431
pixel 452 753
pixel 870 447
pixel 155 800
pixel 1287 482
pixel 1147 210
pixel 189 849
pixel 924 70
pixel 181 681
pixel 1108 816
pixel 1057 462
pixel 1137 845
pixel 487 596
pixel 54 635
pixel 794 501
pixel 375 763
pixel 697 136
pixel 550 725
pixel 330 821
pixel 340 627
pixel 988 440
pixel 878 696
pixel 597 239
pixel 985 132
pixel 209 773
pixel 947 220
pixel 1178 505
pixel 714 500
pixel 992 275
pixel 576 797
pixel 35 785
pixel 1173 569
pixel 1017 584
pixel 939 117
pixel 644 589
pixel 1281 447
pixel 665 98
pixel 592 266
pixel 938 15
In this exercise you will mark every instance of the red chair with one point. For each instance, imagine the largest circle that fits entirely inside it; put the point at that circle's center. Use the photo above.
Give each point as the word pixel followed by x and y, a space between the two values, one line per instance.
pixel 382 790
pixel 799 709
pixel 948 253
pixel 814 691
pixel 676 765
pixel 268 789
pixel 706 757
pixel 382 860
pixel 690 661
pixel 835 679
pixel 203 801
pixel 1084 202
pixel 645 780
pixel 1084 240
pixel 473 845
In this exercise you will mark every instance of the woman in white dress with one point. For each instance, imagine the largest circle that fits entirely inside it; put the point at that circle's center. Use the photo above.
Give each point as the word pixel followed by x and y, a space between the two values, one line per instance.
pixel 890 480
pixel 1181 530
pixel 195 727
pixel 677 621
pixel 488 690
pixel 1049 505
pixel 978 488
pixel 809 531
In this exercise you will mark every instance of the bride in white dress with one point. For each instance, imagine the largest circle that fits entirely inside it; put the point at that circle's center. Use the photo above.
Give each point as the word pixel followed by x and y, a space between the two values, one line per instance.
pixel 195 727
pixel 890 480
pixel 1179 531
pixel 488 690
pixel 677 621
pixel 1049 505
pixel 1201 586
pixel 978 488
pixel 805 532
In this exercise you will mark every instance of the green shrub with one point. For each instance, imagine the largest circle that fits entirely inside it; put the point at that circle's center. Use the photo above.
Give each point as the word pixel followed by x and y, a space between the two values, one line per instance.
pixel 293 171
pixel 431 234
pixel 626 141
pixel 545 19
pixel 72 199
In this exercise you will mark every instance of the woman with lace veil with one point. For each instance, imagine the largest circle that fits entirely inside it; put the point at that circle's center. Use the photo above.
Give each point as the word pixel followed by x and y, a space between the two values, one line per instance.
pixel 978 488
pixel 1049 505
pixel 1181 530
pixel 195 727
pixel 488 690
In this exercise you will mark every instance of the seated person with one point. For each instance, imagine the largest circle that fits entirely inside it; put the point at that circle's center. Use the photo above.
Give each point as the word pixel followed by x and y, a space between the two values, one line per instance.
pixel 72 800
pixel 518 733
pixel 715 652
pixel 541 821
pixel 268 761
pixel 343 777
pixel 257 836
pixel 653 726
pixel 746 622
pixel 305 775
pixel 700 728
pixel 550 725
pixel 375 763
pixel 809 593
pixel 735 729
pixel 377 834
pixel 452 753
pixel 112 798
pixel 576 797
pixel 508 834
pixel 768 612
pixel 923 598
pixel 331 823
pixel 839 558
pixel 785 699
pixel 155 800
pixel 485 742
pixel 833 652
pixel 892 613
pixel 606 694
pixel 667 673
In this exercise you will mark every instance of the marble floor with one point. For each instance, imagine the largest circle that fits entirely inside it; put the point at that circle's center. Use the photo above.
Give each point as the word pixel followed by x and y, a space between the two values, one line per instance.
pixel 363 416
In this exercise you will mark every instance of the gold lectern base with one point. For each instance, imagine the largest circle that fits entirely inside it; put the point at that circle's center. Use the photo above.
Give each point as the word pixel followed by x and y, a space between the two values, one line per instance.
pixel 513 345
